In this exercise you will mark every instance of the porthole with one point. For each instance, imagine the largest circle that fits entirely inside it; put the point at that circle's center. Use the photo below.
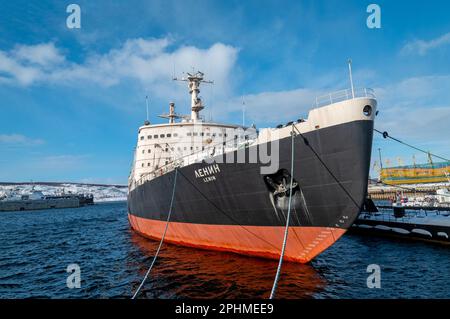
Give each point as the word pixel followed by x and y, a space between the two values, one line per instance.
pixel 367 110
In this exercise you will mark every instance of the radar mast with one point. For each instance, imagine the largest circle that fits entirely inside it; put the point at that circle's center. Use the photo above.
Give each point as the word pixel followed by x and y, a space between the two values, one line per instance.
pixel 194 81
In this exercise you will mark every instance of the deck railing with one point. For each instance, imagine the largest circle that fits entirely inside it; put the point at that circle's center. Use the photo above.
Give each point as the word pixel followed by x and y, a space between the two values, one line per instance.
pixel 343 95
pixel 193 157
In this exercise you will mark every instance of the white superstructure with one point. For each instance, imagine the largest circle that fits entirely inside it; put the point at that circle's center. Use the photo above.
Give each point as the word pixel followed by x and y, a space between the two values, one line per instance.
pixel 161 147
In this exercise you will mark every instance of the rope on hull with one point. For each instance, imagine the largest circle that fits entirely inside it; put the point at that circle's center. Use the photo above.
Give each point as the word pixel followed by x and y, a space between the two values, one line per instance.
pixel 162 238
pixel 286 230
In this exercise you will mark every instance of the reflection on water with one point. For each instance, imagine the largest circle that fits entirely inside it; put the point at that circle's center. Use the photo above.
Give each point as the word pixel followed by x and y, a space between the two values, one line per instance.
pixel 183 272
pixel 36 248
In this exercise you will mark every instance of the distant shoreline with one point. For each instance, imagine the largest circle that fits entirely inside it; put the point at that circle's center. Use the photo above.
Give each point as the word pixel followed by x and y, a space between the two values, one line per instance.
pixel 59 184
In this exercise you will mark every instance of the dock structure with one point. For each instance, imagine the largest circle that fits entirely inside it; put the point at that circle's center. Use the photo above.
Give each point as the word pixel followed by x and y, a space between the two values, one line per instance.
pixel 384 192
pixel 37 204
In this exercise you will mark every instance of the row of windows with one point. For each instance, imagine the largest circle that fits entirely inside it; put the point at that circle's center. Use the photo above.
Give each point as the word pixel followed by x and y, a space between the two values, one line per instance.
pixel 168 135
pixel 160 136
pixel 163 149
pixel 178 149
pixel 149 164
pixel 207 134
pixel 191 134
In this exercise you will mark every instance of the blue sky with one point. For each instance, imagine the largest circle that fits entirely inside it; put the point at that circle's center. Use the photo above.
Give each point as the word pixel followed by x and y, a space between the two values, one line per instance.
pixel 72 99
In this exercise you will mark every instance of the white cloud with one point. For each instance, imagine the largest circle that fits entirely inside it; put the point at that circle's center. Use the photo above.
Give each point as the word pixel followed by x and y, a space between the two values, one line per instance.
pixel 417 110
pixel 421 47
pixel 26 64
pixel 150 62
pixel 45 54
pixel 19 139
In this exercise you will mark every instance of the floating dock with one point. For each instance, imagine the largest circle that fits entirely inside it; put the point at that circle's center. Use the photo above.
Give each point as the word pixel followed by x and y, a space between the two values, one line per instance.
pixel 46 202
pixel 419 223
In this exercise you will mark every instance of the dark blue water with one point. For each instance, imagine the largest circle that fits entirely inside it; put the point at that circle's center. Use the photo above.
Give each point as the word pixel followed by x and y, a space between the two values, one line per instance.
pixel 36 248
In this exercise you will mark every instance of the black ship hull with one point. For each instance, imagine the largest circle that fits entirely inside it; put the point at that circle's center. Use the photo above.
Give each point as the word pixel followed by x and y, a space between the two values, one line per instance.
pixel 233 207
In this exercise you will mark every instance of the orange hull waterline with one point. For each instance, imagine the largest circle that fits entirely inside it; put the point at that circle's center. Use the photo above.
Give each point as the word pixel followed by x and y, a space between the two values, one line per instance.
pixel 303 244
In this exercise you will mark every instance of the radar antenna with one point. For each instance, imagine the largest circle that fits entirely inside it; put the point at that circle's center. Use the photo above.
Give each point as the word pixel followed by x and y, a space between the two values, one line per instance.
pixel 194 80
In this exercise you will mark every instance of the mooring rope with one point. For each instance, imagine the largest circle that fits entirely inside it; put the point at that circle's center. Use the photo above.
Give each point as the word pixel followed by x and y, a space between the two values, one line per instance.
pixel 286 229
pixel 386 135
pixel 162 238
pixel 305 140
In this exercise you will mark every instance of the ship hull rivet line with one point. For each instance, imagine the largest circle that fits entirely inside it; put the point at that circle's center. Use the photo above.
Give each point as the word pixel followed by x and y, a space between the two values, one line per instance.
pixel 162 238
pixel 286 230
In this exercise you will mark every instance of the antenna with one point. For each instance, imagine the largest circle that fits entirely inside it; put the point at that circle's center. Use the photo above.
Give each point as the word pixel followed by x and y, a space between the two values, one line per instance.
pixel 351 77
pixel 146 103
pixel 381 162
pixel 194 80
pixel 243 111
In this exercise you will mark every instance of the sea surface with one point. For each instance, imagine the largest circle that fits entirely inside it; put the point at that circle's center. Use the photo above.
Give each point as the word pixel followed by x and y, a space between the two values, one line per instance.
pixel 36 248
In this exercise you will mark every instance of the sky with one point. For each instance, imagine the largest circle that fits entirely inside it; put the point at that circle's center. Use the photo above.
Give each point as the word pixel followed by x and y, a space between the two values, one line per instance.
pixel 73 99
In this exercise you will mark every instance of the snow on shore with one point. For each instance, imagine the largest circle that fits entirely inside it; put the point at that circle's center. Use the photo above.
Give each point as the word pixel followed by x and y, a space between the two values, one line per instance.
pixel 102 193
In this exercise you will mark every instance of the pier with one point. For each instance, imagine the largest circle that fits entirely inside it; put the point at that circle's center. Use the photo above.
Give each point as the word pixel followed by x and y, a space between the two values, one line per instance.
pixel 383 192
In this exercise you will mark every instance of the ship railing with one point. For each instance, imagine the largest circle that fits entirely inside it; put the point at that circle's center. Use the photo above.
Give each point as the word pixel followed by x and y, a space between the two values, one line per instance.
pixel 387 214
pixel 194 157
pixel 344 95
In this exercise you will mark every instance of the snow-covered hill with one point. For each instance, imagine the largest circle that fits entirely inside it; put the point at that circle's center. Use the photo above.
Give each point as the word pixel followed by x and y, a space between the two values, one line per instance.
pixel 102 193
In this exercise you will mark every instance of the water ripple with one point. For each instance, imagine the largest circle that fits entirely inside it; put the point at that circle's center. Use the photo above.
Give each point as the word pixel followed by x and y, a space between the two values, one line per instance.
pixel 36 248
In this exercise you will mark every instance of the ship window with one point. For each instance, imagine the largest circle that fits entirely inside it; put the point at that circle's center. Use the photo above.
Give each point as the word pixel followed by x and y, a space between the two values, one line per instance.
pixel 235 137
pixel 169 135
pixel 202 134
pixel 246 137
pixel 225 134
pixel 175 134
pixel 149 150
pixel 208 134
pixel 367 110
pixel 149 137
pixel 203 148
pixel 167 149
pixel 142 137
pixel 142 165
pixel 143 151
pixel 167 162
pixel 195 134
pixel 192 148
pixel 189 134
pixel 148 164
pixel 155 136
pixel 185 148
pixel 162 136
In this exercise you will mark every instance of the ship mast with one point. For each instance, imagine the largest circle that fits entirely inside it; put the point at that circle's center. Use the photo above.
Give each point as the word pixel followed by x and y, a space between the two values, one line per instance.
pixel 172 116
pixel 194 81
